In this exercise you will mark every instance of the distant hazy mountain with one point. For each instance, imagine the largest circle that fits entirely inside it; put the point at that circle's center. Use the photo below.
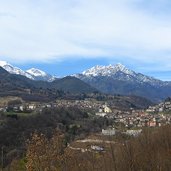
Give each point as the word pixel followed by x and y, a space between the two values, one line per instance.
pixel 117 79
pixel 14 70
pixel 34 74
pixel 40 75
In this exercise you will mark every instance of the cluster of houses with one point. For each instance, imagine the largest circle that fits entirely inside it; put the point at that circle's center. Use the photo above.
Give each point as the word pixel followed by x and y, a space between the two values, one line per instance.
pixel 25 107
pixel 103 111
pixel 112 131
pixel 90 104
pixel 152 117
pixel 109 131
pixel 137 118
pixel 131 118
pixel 162 107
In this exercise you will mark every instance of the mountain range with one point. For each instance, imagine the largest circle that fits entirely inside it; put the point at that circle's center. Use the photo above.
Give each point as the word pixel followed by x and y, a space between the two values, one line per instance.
pixel 65 88
pixel 111 79
pixel 33 73
pixel 31 90
pixel 117 79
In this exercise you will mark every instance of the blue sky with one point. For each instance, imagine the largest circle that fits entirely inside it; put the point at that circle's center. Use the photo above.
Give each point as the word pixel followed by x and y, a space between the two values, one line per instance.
pixel 65 37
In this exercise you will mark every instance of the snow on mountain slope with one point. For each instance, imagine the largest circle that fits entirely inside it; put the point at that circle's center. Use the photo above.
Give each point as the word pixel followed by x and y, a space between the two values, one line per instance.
pixel 41 75
pixel 34 74
pixel 117 79
pixel 119 72
pixel 14 70
pixel 107 70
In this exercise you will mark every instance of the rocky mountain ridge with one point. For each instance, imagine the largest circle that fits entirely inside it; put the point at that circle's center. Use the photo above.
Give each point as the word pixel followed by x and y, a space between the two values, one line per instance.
pixel 33 73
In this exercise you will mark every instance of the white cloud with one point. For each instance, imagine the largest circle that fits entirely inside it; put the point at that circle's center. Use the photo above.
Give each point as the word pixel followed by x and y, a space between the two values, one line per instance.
pixel 44 30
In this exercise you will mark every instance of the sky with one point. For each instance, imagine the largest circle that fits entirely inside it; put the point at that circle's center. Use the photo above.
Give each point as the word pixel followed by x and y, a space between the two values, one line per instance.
pixel 64 37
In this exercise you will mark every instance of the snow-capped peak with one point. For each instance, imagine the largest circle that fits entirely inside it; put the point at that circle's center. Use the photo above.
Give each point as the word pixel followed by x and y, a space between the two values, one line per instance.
pixel 119 66
pixel 107 70
pixel 36 72
pixel 117 72
pixel 3 63
pixel 14 70
pixel 40 75
pixel 33 73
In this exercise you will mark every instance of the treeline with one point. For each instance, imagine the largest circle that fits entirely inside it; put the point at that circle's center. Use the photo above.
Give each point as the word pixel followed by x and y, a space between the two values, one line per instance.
pixel 72 122
pixel 149 152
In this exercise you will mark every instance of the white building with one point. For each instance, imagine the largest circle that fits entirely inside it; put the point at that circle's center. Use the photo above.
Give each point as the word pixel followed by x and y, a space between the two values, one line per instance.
pixel 31 106
pixel 133 132
pixel 107 109
pixel 110 131
pixel 101 114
